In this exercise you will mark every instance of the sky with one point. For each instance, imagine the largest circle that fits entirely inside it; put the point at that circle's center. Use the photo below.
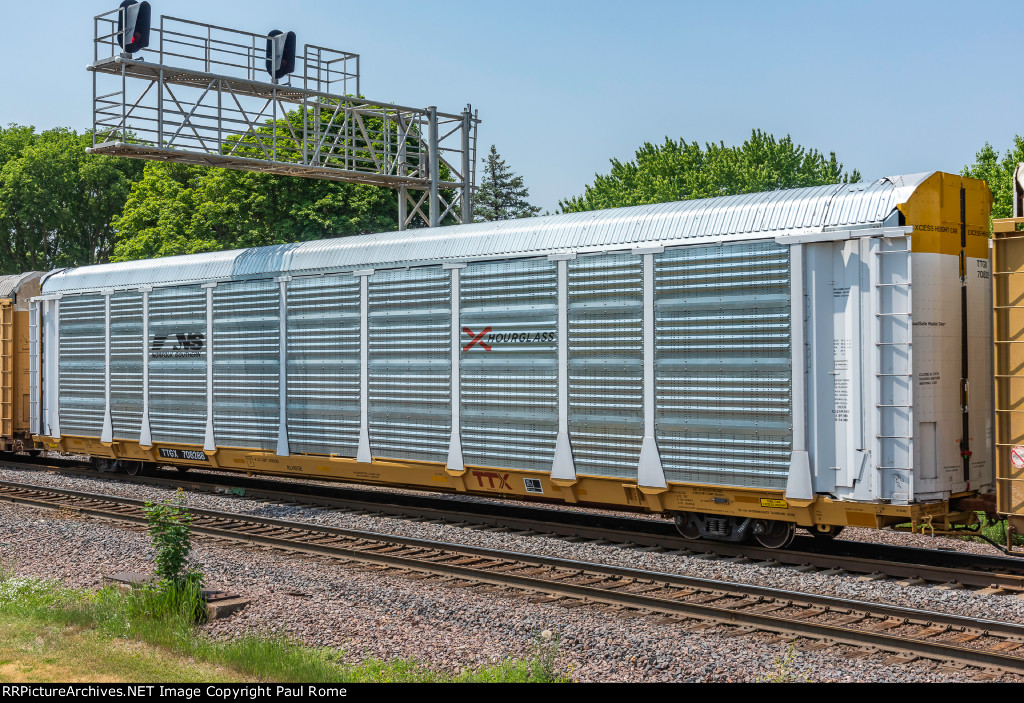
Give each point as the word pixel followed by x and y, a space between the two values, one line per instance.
pixel 563 86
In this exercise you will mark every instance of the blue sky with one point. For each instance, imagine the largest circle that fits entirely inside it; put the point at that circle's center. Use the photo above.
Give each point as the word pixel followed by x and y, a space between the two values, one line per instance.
pixel 564 85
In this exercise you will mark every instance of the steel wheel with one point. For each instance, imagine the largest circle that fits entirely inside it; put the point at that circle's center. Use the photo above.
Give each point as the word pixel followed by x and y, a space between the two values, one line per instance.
pixel 776 534
pixel 132 468
pixel 685 527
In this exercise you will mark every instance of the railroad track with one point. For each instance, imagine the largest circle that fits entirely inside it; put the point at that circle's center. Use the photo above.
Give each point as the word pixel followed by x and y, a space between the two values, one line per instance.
pixel 997 575
pixel 987 647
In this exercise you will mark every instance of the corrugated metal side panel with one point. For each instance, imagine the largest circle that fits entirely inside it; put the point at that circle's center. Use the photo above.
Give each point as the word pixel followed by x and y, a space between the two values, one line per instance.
pixel 606 364
pixel 722 364
pixel 510 393
pixel 410 364
pixel 127 355
pixel 177 371
pixel 323 365
pixel 246 362
pixel 82 363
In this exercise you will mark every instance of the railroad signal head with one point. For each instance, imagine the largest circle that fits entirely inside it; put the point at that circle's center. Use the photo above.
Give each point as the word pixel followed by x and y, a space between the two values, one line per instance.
pixel 133 22
pixel 280 53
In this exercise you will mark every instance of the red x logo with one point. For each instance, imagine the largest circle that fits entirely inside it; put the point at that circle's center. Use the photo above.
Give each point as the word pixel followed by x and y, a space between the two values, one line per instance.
pixel 477 339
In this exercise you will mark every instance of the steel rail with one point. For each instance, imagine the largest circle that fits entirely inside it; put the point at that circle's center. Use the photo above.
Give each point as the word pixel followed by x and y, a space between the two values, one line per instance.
pixel 969 570
pixel 658 592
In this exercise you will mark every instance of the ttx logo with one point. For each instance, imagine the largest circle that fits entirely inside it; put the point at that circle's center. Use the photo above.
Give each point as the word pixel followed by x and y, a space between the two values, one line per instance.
pixel 186 342
pixel 494 479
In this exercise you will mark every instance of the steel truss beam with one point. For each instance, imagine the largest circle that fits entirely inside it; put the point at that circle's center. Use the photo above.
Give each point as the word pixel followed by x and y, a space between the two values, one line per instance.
pixel 204 102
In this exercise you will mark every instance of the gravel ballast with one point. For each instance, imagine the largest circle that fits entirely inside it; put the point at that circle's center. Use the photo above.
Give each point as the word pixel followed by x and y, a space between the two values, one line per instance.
pixel 382 615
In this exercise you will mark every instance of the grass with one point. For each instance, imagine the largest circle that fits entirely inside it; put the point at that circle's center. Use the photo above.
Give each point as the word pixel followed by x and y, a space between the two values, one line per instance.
pixel 995 532
pixel 52 633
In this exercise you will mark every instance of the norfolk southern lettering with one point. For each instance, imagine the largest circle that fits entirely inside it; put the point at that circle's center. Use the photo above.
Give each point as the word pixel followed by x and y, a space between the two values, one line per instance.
pixel 180 346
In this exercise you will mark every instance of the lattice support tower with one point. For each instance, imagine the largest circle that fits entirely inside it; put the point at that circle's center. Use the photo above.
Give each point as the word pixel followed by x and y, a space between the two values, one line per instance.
pixel 200 96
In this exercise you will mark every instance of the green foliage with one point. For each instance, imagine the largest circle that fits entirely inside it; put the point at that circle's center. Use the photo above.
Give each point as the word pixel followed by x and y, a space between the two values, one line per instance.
pixel 153 618
pixel 501 195
pixel 680 170
pixel 785 669
pixel 56 201
pixel 995 531
pixel 999 173
pixel 179 209
pixel 170 528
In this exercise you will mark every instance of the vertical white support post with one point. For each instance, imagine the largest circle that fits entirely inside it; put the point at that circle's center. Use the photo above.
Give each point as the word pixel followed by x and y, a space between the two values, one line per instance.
pixel 53 386
pixel 650 473
pixel 455 464
pixel 146 431
pixel 282 427
pixel 363 454
pixel 209 440
pixel 107 433
pixel 35 416
pixel 563 467
pixel 800 484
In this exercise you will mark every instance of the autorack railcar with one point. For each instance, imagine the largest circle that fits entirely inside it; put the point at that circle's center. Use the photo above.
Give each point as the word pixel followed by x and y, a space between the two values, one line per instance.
pixel 818 357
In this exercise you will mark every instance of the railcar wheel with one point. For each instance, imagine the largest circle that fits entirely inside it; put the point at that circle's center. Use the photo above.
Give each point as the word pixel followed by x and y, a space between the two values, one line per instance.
pixel 132 468
pixel 686 527
pixel 103 464
pixel 775 534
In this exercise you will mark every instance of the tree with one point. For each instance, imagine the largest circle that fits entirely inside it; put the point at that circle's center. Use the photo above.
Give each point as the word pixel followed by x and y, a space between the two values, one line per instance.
pixel 502 195
pixel 56 201
pixel 999 173
pixel 681 170
pixel 177 209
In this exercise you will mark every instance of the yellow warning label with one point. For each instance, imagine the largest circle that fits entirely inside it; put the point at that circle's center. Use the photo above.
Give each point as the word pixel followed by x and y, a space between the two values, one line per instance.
pixel 773 503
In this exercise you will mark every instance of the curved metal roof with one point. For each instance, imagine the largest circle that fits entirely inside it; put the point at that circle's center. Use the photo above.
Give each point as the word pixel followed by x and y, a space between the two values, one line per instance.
pixel 9 284
pixel 729 218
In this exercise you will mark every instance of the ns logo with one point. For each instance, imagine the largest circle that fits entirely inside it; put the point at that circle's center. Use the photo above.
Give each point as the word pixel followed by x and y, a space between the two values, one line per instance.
pixel 181 342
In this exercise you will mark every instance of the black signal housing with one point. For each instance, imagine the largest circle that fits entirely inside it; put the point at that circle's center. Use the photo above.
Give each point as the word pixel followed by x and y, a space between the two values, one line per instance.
pixel 280 53
pixel 133 25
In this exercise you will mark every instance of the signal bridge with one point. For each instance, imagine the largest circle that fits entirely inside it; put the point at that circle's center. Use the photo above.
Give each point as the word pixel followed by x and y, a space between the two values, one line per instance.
pixel 193 93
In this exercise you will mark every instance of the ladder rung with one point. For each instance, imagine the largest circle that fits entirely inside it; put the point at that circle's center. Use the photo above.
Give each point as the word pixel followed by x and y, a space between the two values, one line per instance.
pixel 896 375
pixel 892 314
pixel 894 344
pixel 898 468
pixel 892 436
pixel 892 285
pixel 893 251
pixel 894 406
pixel 1008 307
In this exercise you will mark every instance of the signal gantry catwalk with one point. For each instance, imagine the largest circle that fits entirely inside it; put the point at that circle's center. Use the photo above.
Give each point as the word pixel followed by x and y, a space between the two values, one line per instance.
pixel 213 96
